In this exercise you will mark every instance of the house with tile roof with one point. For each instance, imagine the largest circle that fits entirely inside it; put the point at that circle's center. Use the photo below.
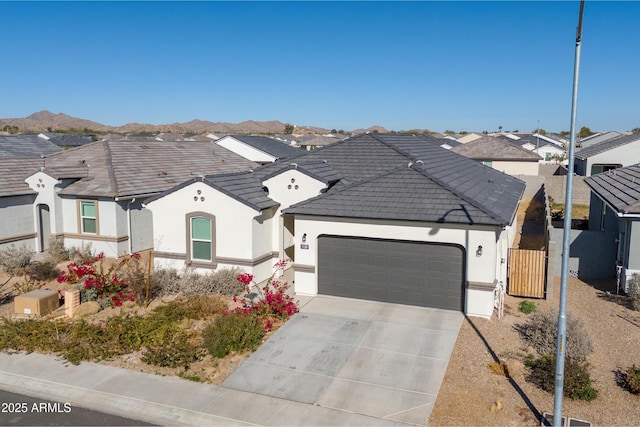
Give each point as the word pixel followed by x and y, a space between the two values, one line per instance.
pixel 26 146
pixel 607 155
pixel 17 226
pixel 507 157
pixel 550 152
pixel 614 210
pixel 384 217
pixel 94 193
pixel 259 149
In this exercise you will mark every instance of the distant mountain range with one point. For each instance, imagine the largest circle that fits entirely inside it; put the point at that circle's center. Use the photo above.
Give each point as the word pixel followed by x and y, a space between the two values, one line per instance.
pixel 45 121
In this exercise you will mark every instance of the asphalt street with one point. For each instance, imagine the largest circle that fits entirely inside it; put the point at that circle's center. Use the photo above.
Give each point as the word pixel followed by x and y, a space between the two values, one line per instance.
pixel 21 410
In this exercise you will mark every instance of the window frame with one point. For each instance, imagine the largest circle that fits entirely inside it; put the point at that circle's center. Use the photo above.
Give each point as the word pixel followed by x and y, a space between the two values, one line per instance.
pixel 209 263
pixel 82 217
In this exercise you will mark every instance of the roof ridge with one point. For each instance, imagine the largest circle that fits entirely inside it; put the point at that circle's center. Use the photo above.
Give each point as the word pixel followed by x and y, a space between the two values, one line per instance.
pixel 404 153
pixel 109 166
pixel 474 203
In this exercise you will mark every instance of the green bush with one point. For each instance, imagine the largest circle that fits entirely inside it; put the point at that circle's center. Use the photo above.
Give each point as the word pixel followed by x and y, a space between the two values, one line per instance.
pixel 540 331
pixel 527 307
pixel 577 382
pixel 232 332
pixel 632 379
pixel 14 260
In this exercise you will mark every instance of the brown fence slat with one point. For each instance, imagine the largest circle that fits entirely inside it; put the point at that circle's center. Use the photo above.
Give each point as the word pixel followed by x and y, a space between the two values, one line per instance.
pixel 527 273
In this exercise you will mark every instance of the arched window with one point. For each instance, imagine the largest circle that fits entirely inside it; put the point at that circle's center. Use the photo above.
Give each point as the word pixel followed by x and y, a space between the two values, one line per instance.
pixel 201 238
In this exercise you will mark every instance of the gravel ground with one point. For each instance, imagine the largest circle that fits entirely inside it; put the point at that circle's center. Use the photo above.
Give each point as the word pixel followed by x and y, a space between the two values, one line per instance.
pixel 472 394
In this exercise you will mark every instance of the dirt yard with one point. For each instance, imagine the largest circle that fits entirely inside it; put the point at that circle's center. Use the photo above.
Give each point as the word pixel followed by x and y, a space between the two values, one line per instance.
pixel 474 392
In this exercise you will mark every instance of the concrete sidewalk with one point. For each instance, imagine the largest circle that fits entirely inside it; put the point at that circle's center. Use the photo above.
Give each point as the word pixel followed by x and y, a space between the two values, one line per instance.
pixel 160 400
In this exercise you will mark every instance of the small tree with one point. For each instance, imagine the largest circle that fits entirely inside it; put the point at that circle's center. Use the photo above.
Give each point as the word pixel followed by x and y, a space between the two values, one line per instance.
pixel 585 132
pixel 540 131
pixel 449 132
pixel 635 130
pixel 288 128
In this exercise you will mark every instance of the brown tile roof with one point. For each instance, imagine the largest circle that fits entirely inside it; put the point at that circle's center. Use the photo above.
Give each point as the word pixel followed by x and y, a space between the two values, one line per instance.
pixel 13 172
pixel 130 168
pixel 490 148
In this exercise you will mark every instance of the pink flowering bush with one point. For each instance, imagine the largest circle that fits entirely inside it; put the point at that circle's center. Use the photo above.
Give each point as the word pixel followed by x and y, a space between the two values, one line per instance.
pixel 99 283
pixel 269 302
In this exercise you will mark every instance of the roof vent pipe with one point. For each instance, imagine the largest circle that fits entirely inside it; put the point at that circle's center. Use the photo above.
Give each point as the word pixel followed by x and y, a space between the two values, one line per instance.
pixel 419 162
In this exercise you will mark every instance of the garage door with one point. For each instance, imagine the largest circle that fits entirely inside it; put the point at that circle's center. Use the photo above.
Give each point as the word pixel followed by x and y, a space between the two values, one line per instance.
pixel 414 273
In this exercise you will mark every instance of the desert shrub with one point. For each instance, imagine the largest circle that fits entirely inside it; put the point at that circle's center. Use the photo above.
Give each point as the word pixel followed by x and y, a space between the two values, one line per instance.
pixel 527 307
pixel 109 287
pixel 578 384
pixel 632 379
pixel 200 307
pixel 233 332
pixel 540 331
pixel 14 260
pixel 177 351
pixel 56 249
pixel 499 368
pixel 272 300
pixel 135 274
pixel 42 270
pixel 82 254
pixel 634 291
pixel 189 282
pixel 27 284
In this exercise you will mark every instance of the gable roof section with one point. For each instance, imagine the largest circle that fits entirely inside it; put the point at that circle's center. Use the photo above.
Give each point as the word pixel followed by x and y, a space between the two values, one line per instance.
pixel 268 145
pixel 26 146
pixel 130 168
pixel 13 172
pixel 620 188
pixel 406 193
pixel 315 168
pixel 489 148
pixel 533 140
pixel 243 187
pixel 603 146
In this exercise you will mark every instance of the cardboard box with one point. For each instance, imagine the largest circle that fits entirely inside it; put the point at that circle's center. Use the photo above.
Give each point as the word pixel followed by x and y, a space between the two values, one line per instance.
pixel 36 303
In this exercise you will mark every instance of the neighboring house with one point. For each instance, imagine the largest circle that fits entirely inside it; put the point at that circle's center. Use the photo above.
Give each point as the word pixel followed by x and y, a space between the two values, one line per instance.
pixel 607 155
pixel 259 149
pixel 65 140
pixel 615 207
pixel 94 193
pixel 550 152
pixel 312 142
pixel 17 220
pixel 597 138
pixel 501 155
pixel 469 137
pixel 26 146
pixel 384 217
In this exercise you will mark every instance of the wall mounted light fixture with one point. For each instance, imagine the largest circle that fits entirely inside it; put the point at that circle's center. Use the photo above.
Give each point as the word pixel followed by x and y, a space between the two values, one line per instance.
pixel 479 251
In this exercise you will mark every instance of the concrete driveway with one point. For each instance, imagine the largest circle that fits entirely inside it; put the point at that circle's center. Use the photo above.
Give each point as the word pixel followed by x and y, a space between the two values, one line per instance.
pixel 376 359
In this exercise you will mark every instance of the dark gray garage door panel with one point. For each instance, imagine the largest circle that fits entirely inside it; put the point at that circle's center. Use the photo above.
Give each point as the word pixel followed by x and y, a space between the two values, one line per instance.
pixel 415 273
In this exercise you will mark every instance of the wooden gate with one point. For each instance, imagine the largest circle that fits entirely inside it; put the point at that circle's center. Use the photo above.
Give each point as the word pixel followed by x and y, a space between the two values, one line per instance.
pixel 527 273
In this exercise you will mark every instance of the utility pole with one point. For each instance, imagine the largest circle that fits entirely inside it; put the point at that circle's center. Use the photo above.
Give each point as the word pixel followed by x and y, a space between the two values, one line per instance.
pixel 562 315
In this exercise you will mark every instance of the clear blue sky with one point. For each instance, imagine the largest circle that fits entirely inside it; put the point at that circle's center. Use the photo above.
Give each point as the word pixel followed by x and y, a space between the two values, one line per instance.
pixel 439 65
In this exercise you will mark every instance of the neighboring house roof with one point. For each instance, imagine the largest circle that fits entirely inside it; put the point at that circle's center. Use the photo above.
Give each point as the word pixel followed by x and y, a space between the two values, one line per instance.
pixel 620 188
pixel 67 140
pixel 26 146
pixel 130 168
pixel 536 142
pixel 395 176
pixel 603 146
pixel 275 148
pixel 599 137
pixel 315 168
pixel 318 141
pixel 469 137
pixel 490 148
pixel 13 172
